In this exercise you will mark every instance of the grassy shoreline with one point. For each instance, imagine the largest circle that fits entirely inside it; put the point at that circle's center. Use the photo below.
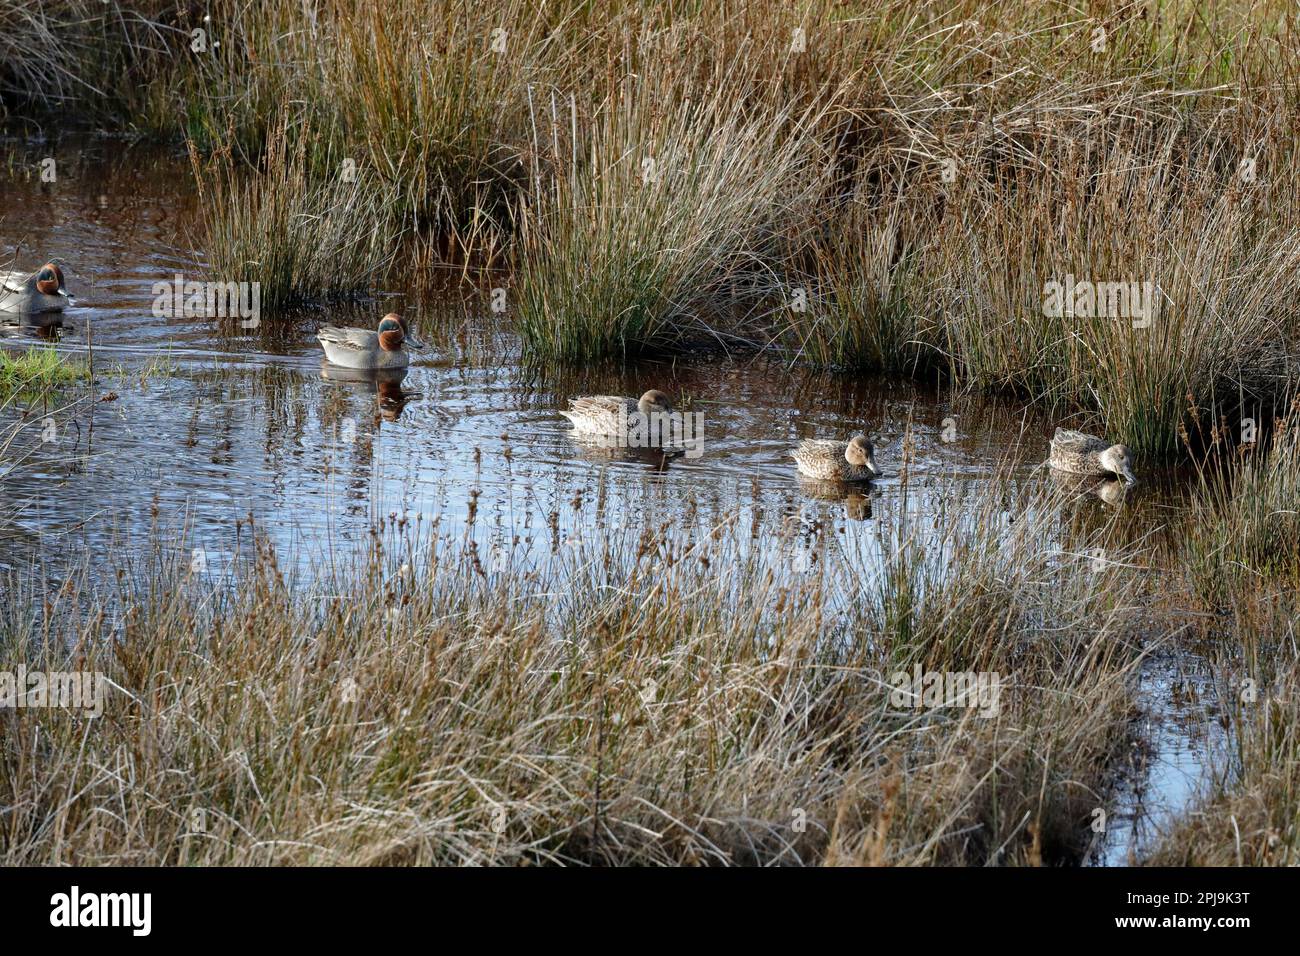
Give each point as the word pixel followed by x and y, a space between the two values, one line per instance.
pixel 36 372
pixel 627 698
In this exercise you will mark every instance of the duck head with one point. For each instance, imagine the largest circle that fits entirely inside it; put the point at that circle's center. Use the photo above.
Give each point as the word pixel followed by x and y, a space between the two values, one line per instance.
pixel 654 401
pixel 862 453
pixel 1116 459
pixel 394 332
pixel 48 280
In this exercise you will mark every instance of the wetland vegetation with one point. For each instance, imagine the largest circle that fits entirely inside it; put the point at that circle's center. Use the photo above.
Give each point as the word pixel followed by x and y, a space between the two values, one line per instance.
pixel 387 622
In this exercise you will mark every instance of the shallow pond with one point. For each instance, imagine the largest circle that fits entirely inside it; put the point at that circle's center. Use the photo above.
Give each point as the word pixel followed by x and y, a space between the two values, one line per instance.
pixel 199 423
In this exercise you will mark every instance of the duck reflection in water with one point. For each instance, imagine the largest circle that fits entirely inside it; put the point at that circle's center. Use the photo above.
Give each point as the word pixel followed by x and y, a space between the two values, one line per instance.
pixel 42 325
pixel 856 500
pixel 597 447
pixel 390 397
pixel 1113 491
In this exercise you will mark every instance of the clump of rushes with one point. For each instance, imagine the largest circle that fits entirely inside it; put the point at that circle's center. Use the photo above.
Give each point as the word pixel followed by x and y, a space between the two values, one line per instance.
pixel 618 701
pixel 1221 273
pixel 109 59
pixel 1245 523
pixel 441 119
pixel 651 214
pixel 36 371
pixel 303 236
pixel 855 308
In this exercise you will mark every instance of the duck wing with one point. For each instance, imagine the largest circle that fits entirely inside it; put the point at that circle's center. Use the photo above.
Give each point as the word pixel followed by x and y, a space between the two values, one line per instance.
pixel 1070 441
pixel 599 404
pixel 360 340
pixel 813 451
pixel 820 446
pixel 598 413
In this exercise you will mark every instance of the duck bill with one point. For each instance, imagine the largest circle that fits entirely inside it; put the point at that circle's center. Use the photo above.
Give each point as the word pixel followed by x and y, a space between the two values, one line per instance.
pixel 412 342
pixel 1128 476
pixel 871 463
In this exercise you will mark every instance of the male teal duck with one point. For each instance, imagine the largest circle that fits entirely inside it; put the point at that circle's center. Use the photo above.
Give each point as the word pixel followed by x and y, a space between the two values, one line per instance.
pixel 363 348
pixel 1080 454
pixel 830 460
pixel 41 291
pixel 607 414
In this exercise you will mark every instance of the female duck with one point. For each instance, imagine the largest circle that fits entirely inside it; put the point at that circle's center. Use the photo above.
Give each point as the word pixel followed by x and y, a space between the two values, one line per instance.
pixel 608 414
pixel 362 348
pixel 830 460
pixel 42 291
pixel 1081 454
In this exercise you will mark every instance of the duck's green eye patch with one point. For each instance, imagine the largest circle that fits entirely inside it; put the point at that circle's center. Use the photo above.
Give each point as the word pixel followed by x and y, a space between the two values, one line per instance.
pixel 46 275
pixel 390 325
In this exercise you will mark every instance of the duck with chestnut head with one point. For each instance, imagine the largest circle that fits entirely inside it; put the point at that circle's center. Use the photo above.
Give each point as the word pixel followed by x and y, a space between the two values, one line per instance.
pixel 829 460
pixel 40 291
pixel 382 347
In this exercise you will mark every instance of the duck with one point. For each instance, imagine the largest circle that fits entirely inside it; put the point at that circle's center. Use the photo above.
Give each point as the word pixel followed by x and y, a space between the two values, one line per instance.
pixel 1079 454
pixel 41 291
pixel 827 459
pixel 366 349
pixel 608 414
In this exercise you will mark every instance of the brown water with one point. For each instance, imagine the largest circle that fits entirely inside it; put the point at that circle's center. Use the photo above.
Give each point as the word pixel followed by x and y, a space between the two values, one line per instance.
pixel 204 424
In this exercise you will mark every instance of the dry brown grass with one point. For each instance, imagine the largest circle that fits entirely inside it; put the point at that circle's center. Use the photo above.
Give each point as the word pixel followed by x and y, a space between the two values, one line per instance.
pixel 661 697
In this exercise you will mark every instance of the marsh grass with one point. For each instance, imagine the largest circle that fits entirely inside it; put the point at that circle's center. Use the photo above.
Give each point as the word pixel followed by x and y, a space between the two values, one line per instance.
pixel 1244 813
pixel 302 237
pixel 920 171
pixel 442 119
pixel 661 696
pixel 36 372
pixel 106 61
pixel 1242 563
pixel 858 306
pixel 1221 266
pixel 656 211
pixel 1246 521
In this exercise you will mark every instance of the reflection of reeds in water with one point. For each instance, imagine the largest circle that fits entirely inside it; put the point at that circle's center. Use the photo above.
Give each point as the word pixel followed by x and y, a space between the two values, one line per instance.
pixel 653 694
